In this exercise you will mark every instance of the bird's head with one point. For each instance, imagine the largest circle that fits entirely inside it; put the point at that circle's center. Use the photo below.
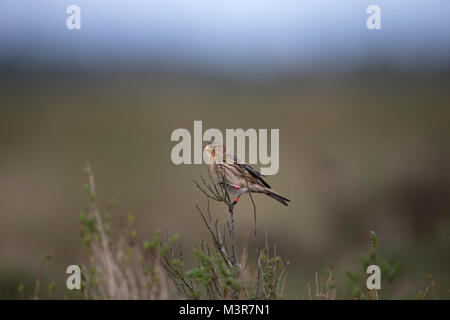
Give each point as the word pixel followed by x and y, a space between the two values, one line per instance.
pixel 214 151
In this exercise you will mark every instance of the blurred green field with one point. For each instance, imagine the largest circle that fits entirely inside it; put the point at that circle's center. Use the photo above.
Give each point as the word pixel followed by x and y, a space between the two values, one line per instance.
pixel 355 155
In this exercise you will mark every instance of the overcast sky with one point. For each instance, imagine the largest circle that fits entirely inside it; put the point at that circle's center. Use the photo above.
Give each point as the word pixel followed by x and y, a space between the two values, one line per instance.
pixel 225 33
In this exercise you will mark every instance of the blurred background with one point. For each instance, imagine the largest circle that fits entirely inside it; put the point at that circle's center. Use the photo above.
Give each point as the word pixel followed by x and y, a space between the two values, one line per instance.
pixel 363 116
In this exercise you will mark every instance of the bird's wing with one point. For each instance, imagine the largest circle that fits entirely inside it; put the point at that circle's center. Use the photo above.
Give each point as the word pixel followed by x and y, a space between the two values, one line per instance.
pixel 247 168
pixel 255 174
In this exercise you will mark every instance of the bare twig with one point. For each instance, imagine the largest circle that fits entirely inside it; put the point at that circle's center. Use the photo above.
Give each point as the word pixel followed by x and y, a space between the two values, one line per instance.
pixel 255 238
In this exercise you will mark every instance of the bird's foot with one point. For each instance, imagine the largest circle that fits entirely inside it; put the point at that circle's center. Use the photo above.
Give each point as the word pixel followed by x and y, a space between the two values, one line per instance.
pixel 233 204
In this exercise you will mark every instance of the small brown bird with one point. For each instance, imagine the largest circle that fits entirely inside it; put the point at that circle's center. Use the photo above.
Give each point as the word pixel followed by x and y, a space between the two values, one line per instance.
pixel 236 176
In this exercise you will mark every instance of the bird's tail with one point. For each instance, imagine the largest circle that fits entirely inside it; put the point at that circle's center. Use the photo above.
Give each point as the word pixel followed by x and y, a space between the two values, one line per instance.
pixel 277 196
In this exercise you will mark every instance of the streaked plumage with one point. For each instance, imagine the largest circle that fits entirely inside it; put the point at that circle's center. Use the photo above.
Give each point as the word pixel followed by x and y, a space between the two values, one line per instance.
pixel 237 176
